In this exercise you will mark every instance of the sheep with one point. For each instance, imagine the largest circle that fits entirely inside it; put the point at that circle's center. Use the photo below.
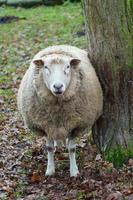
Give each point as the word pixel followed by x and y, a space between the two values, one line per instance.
pixel 60 97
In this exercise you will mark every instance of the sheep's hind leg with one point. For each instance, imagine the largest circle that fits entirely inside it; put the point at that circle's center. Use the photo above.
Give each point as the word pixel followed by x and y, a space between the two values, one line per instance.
pixel 73 166
pixel 50 163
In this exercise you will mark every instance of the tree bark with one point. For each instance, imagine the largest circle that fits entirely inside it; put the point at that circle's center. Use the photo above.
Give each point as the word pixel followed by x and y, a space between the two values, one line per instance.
pixel 110 49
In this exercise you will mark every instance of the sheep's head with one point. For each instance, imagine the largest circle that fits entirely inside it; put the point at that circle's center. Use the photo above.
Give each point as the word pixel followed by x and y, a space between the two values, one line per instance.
pixel 57 70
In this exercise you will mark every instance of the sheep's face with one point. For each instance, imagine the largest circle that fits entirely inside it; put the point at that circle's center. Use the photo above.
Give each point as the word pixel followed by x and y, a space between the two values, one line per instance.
pixel 57 72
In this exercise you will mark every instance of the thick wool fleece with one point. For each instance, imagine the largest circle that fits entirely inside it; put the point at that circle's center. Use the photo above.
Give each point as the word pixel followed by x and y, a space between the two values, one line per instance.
pixel 66 116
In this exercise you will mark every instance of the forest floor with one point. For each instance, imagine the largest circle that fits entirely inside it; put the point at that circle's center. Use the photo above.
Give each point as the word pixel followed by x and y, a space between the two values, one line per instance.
pixel 22 155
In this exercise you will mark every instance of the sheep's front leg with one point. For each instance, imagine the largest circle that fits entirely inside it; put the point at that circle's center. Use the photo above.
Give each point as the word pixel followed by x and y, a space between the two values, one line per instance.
pixel 73 166
pixel 50 163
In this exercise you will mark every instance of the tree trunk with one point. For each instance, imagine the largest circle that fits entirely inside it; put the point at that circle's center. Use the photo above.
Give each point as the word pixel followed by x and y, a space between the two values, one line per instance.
pixel 110 42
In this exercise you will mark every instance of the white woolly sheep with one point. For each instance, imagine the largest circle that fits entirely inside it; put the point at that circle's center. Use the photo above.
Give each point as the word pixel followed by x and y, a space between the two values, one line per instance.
pixel 60 97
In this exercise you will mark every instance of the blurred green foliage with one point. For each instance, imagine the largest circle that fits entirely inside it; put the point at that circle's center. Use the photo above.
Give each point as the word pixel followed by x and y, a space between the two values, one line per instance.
pixel 119 155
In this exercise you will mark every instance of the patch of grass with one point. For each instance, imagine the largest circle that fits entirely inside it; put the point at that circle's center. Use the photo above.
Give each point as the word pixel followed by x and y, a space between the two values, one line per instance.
pixel 2 117
pixel 30 136
pixel 81 195
pixel 119 155
pixel 4 79
pixel 28 153
pixel 6 93
pixel 38 28
pixel 9 69
pixel 18 192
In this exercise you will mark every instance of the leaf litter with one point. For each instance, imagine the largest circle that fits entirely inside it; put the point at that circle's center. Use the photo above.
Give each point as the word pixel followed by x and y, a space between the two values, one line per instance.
pixel 23 160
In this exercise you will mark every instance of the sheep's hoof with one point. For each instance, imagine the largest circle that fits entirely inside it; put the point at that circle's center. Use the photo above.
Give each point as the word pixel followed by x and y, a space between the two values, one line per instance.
pixel 50 172
pixel 74 173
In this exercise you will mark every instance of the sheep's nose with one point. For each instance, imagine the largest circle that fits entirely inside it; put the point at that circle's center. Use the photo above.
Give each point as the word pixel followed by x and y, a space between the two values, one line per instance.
pixel 58 86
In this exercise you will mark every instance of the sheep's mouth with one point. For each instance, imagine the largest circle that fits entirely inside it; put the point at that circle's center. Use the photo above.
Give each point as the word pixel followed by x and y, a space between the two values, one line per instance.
pixel 58 93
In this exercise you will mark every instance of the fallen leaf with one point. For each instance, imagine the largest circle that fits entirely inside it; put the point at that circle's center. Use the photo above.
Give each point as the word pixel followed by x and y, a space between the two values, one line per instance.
pixel 115 196
pixel 9 190
pixel 130 162
pixel 1 100
pixel 98 157
pixel 128 191
pixel 35 177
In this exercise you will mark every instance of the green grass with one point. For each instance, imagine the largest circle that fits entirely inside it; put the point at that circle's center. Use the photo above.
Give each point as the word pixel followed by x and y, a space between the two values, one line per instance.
pixel 2 117
pixel 18 191
pixel 6 93
pixel 42 26
pixel 4 78
pixel 119 155
pixel 81 195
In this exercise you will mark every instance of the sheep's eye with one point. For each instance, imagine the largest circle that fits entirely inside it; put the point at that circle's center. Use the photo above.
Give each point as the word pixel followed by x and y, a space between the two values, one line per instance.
pixel 47 70
pixel 67 69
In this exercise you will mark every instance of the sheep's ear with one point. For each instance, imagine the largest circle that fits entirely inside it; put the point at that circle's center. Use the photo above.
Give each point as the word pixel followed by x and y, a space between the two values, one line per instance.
pixel 38 63
pixel 74 62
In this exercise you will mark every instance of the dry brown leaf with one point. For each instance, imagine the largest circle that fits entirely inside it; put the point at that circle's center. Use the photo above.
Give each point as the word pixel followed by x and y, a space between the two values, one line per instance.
pixel 128 191
pixel 35 177
pixel 1 100
pixel 8 189
pixel 130 162
pixel 115 196
pixel 98 157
